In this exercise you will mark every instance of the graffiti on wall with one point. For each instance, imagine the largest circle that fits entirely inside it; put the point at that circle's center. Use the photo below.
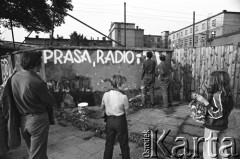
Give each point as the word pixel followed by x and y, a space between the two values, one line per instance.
pixel 81 56
pixel 5 68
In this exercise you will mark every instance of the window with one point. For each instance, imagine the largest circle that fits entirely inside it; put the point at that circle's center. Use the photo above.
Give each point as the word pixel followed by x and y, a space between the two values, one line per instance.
pixel 186 41
pixel 173 36
pixel 181 33
pixel 177 35
pixel 190 41
pixel 196 28
pixel 203 26
pixel 158 40
pixel 214 22
pixel 196 39
pixel 185 32
pixel 191 30
pixel 213 34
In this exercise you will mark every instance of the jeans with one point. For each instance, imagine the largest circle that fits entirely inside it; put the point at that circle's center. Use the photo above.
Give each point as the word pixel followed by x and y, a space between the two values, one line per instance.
pixel 34 129
pixel 116 125
pixel 147 87
pixel 165 86
pixel 211 148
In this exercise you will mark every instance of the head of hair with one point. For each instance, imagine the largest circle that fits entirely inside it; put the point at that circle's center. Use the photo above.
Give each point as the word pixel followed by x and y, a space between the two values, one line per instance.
pixel 30 60
pixel 162 57
pixel 149 54
pixel 219 81
pixel 117 81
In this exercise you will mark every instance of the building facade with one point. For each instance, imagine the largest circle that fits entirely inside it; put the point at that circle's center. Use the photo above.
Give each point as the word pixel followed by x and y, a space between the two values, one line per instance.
pixel 153 41
pixel 206 31
pixel 65 42
pixel 134 35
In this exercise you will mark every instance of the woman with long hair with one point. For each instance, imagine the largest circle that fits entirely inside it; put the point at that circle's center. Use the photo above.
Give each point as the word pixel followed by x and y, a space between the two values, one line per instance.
pixel 219 105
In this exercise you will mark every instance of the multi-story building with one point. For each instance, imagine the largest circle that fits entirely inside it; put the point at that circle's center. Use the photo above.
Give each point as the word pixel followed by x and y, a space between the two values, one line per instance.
pixel 165 35
pixel 134 36
pixel 153 41
pixel 206 31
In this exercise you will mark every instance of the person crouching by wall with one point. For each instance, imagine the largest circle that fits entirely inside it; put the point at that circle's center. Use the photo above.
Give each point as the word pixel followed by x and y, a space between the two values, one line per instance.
pixel 115 105
pixel 34 103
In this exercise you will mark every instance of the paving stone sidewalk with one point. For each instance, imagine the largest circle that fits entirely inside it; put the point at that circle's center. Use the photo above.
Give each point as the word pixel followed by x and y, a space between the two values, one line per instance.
pixel 71 143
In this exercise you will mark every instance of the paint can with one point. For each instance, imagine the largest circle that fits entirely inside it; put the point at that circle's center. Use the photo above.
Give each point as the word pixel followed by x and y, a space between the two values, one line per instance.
pixel 82 110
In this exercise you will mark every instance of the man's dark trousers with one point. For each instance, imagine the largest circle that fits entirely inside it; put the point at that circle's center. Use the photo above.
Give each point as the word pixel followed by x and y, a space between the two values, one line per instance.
pixel 145 89
pixel 165 85
pixel 35 128
pixel 116 125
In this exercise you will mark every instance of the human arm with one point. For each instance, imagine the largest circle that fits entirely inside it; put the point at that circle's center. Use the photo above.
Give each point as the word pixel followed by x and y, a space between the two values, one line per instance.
pixel 215 109
pixel 103 109
pixel 126 105
pixel 143 71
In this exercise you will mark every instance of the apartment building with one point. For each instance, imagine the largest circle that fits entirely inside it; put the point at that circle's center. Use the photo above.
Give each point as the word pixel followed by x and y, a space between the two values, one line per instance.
pixel 134 35
pixel 153 41
pixel 206 31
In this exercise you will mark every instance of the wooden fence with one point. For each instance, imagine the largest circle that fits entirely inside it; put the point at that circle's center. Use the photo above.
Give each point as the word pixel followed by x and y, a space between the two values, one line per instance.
pixel 194 65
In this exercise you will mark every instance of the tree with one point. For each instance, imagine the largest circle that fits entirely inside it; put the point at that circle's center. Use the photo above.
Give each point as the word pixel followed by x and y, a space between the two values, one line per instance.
pixel 34 15
pixel 77 39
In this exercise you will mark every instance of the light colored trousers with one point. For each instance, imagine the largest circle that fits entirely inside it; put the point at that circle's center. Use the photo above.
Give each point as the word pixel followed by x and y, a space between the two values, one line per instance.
pixel 211 147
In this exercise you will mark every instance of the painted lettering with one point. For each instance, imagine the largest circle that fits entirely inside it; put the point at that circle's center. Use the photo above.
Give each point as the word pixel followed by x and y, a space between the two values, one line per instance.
pixel 118 53
pixel 109 57
pixel 68 57
pixel 47 54
pixel 100 54
pixel 77 54
pixel 57 56
pixel 127 57
pixel 86 57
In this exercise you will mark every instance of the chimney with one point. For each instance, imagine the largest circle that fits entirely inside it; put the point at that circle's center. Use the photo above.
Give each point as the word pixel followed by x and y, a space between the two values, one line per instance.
pixel 103 38
pixel 137 27
pixel 37 36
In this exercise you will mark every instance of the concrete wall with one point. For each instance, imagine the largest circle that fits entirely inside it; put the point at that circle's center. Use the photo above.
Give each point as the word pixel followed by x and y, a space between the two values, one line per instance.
pixel 83 72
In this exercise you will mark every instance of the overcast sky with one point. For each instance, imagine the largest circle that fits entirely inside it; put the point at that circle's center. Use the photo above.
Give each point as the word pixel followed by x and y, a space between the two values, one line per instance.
pixel 154 16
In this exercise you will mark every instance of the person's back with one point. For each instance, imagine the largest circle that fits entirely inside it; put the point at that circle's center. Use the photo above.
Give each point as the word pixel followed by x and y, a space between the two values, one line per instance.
pixel 27 83
pixel 34 103
pixel 115 105
pixel 115 102
pixel 148 77
pixel 149 66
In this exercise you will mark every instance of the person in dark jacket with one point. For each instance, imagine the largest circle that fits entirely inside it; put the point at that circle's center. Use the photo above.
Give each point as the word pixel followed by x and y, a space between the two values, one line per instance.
pixel 34 102
pixel 165 71
pixel 219 106
pixel 148 77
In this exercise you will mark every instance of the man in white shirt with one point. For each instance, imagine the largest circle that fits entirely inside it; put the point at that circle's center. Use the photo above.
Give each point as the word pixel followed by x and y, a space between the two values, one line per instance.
pixel 115 105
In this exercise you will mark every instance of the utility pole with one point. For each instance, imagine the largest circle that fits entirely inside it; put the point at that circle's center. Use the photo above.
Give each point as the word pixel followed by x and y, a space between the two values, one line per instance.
pixel 125 31
pixel 193 28
pixel 11 55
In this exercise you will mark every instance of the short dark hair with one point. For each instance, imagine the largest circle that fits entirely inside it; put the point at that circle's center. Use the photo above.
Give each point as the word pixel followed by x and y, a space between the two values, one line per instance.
pixel 162 57
pixel 117 81
pixel 149 54
pixel 30 60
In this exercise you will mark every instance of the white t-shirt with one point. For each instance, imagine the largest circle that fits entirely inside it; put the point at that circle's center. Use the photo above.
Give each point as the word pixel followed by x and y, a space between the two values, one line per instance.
pixel 115 103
